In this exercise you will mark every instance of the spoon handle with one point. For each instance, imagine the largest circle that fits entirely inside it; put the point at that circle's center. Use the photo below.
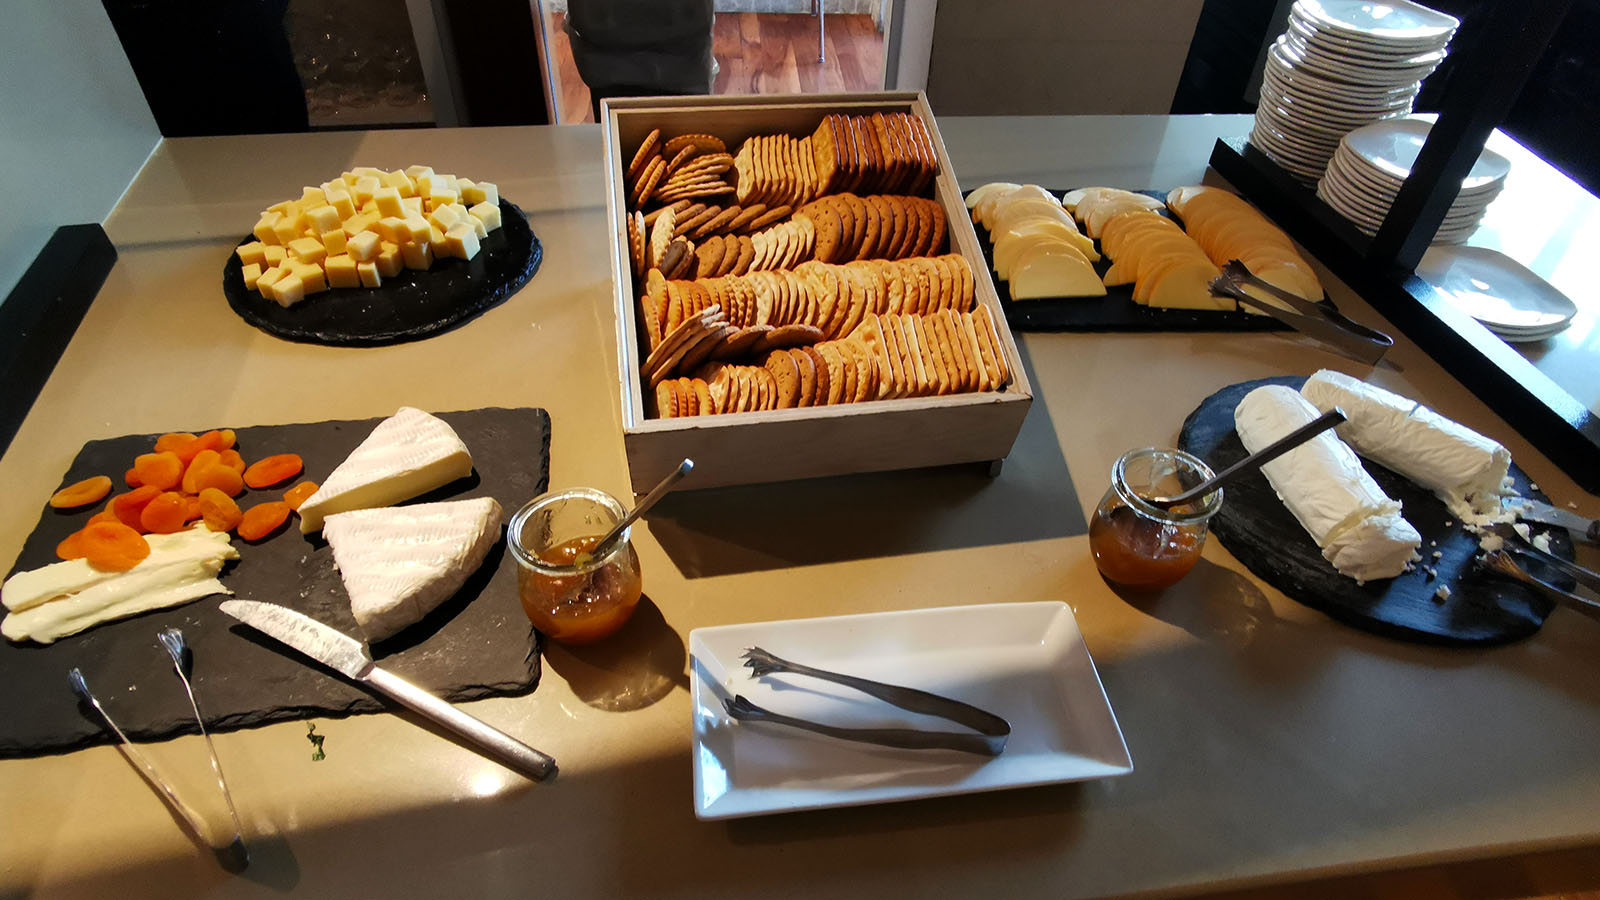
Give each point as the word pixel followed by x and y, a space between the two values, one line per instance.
pixel 656 493
pixel 1256 460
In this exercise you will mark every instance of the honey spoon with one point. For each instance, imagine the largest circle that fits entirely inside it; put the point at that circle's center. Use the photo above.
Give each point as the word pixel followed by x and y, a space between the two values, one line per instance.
pixel 650 499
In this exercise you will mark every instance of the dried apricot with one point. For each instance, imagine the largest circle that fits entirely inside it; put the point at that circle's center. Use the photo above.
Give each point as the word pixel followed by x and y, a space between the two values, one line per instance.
pixel 72 546
pixel 299 493
pixel 104 515
pixel 90 490
pixel 162 470
pixel 272 470
pixel 263 519
pixel 132 478
pixel 127 507
pixel 113 546
pixel 172 440
pixel 232 459
pixel 218 510
pixel 165 514
pixel 199 463
pixel 220 477
pixel 225 438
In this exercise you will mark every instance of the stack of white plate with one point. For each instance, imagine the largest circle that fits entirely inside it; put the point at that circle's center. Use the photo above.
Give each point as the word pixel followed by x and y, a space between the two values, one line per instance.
pixel 1341 65
pixel 1370 164
pixel 1498 291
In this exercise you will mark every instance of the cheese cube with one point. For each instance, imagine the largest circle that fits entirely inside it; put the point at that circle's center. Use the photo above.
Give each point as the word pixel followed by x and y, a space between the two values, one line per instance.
pixel 401 182
pixel 265 231
pixel 252 274
pixel 391 229
pixel 369 170
pixel 268 279
pixel 389 260
pixel 369 274
pixel 253 252
pixel 342 203
pixel 461 241
pixel 480 192
pixel 436 238
pixel 388 200
pixel 365 187
pixel 288 290
pixel 487 213
pixel 416 231
pixel 412 206
pixel 359 223
pixel 417 255
pixel 419 172
pixel 362 247
pixel 334 241
pixel 341 271
pixel 478 227
pixel 444 216
pixel 349 178
pixel 323 218
pixel 371 206
pixel 309 250
pixel 287 227
pixel 275 255
pixel 312 197
pixel 310 275
pixel 281 207
pixel 440 195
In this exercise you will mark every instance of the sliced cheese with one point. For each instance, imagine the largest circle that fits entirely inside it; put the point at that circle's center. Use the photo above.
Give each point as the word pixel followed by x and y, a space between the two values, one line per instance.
pixel 399 563
pixel 409 453
pixel 1047 272
pixel 1009 250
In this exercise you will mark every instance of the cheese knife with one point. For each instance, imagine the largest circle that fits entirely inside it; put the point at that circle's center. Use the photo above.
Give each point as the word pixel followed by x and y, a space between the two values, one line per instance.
pixel 349 657
pixel 1534 511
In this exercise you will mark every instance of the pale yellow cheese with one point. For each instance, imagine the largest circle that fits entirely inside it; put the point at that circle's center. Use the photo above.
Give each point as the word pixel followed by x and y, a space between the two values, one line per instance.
pixel 417 255
pixel 482 192
pixel 444 217
pixel 461 241
pixel 268 279
pixel 310 276
pixel 359 223
pixel 307 249
pixel 274 254
pixel 264 232
pixel 335 240
pixel 389 261
pixel 369 274
pixel 487 213
pixel 388 200
pixel 253 252
pixel 364 189
pixel 288 290
pixel 341 271
pixel 343 203
pixel 252 273
pixel 1045 271
pixel 417 231
pixel 363 246
pixel 323 218
pixel 401 182
pixel 287 228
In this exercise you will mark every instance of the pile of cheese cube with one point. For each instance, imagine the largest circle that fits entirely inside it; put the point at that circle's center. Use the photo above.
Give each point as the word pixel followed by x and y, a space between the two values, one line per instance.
pixel 366 226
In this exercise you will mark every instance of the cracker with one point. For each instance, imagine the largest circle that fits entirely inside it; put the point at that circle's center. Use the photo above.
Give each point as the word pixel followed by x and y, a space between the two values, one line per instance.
pixel 702 350
pixel 702 143
pixel 636 243
pixel 718 223
pixel 747 252
pixel 641 157
pixel 747 213
pixel 676 159
pixel 707 406
pixel 966 283
pixel 980 369
pixel 786 378
pixel 900 384
pixel 708 258
pixel 911 356
pixel 936 243
pixel 828 230
pixel 682 217
pixel 990 332
pixel 806 157
pixel 798 334
pixel 808 376
pixel 824 155
pixel 773 214
pixel 744 174
pixel 740 344
pixel 956 336
pixel 819 365
pixel 650 179
pixel 834 363
pixel 673 259
pixel 651 216
pixel 666 401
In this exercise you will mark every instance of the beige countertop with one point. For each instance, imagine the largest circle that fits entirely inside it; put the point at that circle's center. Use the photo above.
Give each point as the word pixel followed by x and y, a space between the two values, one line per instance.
pixel 1270 744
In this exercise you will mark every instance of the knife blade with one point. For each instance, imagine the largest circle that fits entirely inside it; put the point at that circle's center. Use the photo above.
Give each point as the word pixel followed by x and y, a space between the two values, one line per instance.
pixel 349 657
pixel 1534 511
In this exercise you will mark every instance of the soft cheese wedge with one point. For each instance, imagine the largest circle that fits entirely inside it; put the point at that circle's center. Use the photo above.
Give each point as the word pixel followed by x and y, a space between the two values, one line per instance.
pixel 409 453
pixel 399 563
pixel 1357 526
pixel 1054 271
pixel 64 598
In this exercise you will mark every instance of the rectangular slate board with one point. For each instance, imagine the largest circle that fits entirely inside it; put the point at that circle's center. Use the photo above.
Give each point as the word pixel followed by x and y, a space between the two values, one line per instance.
pixel 478 644
pixel 1116 311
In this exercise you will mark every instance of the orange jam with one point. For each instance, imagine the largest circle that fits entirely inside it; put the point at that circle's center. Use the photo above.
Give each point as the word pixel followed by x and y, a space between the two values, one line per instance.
pixel 590 604
pixel 1141 552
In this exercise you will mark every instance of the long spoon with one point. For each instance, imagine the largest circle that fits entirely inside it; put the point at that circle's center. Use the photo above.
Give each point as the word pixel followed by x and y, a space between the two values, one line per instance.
pixel 1255 460
pixel 650 499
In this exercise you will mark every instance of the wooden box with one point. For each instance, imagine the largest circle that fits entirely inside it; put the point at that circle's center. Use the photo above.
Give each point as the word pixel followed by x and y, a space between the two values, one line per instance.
pixel 785 444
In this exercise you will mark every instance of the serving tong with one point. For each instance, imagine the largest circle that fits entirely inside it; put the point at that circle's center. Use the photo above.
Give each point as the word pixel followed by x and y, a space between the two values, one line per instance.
pixel 233 856
pixel 992 730
pixel 1327 325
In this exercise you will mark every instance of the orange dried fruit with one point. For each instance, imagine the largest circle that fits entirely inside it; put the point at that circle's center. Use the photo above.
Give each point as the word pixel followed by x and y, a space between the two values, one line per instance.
pixel 232 459
pixel 104 515
pixel 193 512
pixel 198 464
pixel 221 477
pixel 173 440
pixel 72 546
pixel 263 519
pixel 90 490
pixel 113 546
pixel 225 438
pixel 162 470
pixel 165 513
pixel 299 493
pixel 127 507
pixel 218 510
pixel 132 478
pixel 273 469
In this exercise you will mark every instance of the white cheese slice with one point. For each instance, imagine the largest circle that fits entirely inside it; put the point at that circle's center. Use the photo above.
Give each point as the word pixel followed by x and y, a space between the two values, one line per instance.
pixel 399 563
pixel 1357 525
pixel 1465 469
pixel 409 453
pixel 65 598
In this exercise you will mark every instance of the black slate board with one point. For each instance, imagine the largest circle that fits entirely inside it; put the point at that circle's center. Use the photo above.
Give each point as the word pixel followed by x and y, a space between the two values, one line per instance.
pixel 479 644
pixel 1259 530
pixel 410 306
pixel 1116 311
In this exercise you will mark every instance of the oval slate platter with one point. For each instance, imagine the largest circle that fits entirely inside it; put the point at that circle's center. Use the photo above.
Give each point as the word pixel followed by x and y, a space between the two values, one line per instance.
pixel 1259 530
pixel 410 306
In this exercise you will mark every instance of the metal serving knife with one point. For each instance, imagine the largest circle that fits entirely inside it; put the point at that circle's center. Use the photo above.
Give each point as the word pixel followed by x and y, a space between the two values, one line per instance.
pixel 349 657
pixel 1534 511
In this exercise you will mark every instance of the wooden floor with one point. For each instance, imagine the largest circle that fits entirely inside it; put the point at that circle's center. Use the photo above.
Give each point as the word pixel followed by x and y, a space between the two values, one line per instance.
pixel 758 53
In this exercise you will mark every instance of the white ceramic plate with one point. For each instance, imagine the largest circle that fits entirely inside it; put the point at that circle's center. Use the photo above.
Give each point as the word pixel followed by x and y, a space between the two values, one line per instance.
pixel 1025 662
pixel 1497 291
pixel 1391 21
pixel 1391 147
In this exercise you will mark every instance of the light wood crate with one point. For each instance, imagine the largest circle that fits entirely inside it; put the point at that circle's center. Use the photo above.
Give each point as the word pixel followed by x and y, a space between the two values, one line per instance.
pixel 787 444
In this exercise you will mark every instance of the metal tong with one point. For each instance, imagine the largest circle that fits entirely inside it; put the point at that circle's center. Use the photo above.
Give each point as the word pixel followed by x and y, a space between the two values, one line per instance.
pixel 990 740
pixel 1500 563
pixel 1327 325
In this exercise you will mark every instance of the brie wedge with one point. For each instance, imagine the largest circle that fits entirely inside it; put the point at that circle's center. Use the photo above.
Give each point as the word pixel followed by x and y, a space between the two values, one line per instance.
pixel 1357 525
pixel 1465 469
pixel 409 453
pixel 399 563
pixel 64 598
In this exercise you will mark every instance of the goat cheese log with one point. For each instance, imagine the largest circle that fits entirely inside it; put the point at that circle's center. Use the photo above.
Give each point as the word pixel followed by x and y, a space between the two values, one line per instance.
pixel 1465 469
pixel 1357 526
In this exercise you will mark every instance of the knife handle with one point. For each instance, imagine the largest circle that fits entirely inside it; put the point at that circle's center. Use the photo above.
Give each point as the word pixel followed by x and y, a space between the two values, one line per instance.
pixel 492 742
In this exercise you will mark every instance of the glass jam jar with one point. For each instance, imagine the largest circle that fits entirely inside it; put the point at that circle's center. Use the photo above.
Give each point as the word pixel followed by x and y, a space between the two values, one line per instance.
pixel 569 595
pixel 1139 545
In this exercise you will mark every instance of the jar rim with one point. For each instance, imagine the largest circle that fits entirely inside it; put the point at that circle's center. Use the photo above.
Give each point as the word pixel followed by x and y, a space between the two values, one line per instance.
pixel 530 560
pixel 1204 508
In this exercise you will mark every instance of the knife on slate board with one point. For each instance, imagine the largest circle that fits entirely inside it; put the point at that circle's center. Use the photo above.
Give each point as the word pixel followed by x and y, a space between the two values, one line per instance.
pixel 349 657
pixel 1534 511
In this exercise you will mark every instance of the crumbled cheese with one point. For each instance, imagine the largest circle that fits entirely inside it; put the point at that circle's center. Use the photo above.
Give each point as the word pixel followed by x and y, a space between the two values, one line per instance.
pixel 1438 553
pixel 1491 543
pixel 1542 541
pixel 1442 594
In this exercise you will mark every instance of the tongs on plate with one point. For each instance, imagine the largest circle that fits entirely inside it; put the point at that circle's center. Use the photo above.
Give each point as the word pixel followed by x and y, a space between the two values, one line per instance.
pixel 990 740
pixel 1327 325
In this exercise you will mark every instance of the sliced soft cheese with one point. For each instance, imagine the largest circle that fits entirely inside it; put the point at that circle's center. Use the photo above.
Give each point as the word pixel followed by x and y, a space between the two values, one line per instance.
pixel 65 598
pixel 1465 469
pixel 1357 525
pixel 399 563
pixel 409 453
pixel 1045 271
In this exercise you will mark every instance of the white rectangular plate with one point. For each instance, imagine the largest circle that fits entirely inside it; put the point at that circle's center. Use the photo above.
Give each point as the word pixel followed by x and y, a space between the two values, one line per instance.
pixel 1025 662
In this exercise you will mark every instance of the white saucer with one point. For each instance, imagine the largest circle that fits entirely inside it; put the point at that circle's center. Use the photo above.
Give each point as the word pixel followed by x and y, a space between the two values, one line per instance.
pixel 1390 147
pixel 1388 22
pixel 1497 291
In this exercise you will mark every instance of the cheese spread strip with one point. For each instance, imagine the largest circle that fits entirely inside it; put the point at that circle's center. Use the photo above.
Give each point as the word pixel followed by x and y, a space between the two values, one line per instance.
pixel 1357 525
pixel 1465 469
